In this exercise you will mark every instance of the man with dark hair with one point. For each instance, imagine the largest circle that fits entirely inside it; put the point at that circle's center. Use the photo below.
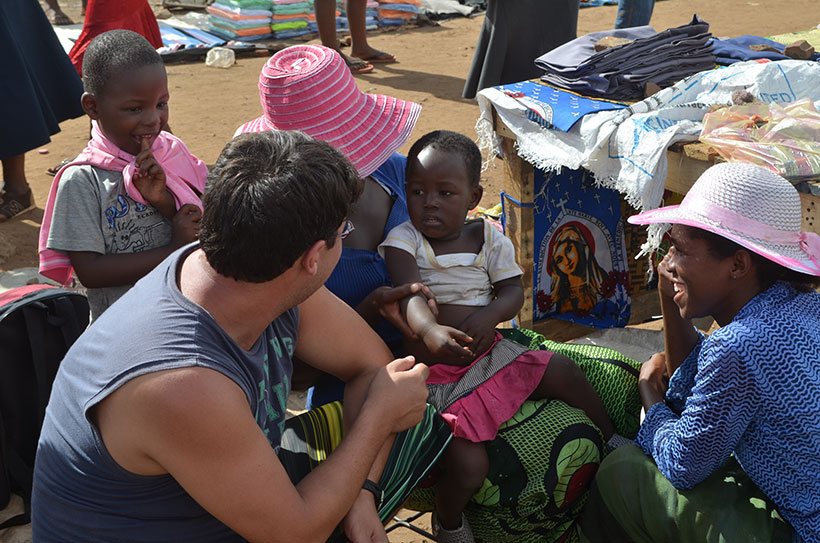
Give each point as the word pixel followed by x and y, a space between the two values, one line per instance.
pixel 167 418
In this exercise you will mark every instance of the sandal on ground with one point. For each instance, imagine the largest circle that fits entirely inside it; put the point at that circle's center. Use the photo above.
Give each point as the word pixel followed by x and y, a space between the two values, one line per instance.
pixel 58 18
pixel 380 57
pixel 54 169
pixel 462 534
pixel 15 204
pixel 357 66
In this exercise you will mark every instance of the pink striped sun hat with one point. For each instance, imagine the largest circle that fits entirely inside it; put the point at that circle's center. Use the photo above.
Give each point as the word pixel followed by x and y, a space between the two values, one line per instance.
pixel 750 205
pixel 310 88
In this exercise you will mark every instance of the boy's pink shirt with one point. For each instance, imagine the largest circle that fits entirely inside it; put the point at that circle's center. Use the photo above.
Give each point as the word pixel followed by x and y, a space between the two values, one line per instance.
pixel 185 177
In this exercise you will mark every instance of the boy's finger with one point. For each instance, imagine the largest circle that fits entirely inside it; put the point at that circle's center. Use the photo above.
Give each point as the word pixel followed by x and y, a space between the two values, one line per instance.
pixel 145 143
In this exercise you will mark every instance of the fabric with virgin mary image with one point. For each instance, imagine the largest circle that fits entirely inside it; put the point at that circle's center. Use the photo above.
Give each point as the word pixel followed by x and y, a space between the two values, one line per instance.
pixel 581 273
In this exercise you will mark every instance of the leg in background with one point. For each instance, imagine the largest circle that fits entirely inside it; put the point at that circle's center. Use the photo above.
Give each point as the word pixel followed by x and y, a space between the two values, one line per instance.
pixel 466 466
pixel 633 13
pixel 356 12
pixel 563 380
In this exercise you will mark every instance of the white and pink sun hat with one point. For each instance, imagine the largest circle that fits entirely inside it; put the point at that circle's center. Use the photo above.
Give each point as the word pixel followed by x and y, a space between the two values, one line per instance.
pixel 310 88
pixel 753 207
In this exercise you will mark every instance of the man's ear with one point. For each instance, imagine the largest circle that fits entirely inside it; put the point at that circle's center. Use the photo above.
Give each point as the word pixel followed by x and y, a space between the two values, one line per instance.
pixel 309 261
pixel 90 105
pixel 475 198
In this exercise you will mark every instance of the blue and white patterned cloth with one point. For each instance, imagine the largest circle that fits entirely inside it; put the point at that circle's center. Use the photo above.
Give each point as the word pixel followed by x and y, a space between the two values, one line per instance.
pixel 752 388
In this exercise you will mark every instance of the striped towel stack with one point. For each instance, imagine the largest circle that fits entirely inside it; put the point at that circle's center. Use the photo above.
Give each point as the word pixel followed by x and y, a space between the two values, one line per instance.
pixel 397 12
pixel 240 19
pixel 371 15
pixel 341 17
pixel 292 18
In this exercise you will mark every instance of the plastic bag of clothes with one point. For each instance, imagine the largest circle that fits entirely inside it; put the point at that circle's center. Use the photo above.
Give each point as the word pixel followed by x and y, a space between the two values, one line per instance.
pixel 781 138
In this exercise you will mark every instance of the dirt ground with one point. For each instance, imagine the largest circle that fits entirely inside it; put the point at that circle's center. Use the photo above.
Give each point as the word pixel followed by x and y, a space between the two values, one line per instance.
pixel 207 104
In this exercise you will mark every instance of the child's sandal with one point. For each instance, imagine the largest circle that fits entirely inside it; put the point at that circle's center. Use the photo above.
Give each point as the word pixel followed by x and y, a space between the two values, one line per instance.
pixel 462 534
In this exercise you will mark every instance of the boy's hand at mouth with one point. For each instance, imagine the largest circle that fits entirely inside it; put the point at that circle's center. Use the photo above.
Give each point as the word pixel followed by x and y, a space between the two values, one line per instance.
pixel 150 177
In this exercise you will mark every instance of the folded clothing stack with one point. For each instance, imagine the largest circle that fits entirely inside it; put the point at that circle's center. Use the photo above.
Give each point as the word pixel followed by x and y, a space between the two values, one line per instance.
pixel 240 19
pixel 371 15
pixel 398 12
pixel 622 72
pixel 292 18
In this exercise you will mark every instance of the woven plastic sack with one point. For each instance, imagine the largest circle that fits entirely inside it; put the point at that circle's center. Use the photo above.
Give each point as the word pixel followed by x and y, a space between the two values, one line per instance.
pixel 782 139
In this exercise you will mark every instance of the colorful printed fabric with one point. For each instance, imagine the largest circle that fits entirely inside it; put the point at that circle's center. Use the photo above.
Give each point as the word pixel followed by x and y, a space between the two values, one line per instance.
pixel 544 458
pixel 727 506
pixel 596 3
pixel 751 388
pixel 581 272
pixel 551 107
pixel 308 440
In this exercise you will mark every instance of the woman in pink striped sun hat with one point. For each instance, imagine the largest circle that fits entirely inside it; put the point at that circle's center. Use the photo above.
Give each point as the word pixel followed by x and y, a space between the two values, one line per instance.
pixel 309 88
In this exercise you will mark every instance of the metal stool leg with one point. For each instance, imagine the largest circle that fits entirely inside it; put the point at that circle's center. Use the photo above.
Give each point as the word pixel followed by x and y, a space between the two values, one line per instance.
pixel 399 522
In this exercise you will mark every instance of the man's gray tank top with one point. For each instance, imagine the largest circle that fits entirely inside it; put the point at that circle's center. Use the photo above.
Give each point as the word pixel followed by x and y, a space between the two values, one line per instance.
pixel 80 492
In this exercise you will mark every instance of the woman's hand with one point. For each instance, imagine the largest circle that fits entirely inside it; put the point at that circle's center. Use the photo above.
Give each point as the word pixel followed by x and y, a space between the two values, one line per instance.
pixel 387 303
pixel 652 380
pixel 665 288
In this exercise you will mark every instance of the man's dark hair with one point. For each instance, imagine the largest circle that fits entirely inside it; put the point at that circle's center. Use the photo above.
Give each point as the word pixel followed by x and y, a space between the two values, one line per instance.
pixel 450 142
pixel 269 197
pixel 768 272
pixel 113 52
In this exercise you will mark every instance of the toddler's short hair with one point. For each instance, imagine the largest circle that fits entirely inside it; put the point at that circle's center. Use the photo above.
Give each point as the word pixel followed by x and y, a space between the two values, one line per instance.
pixel 450 142
pixel 113 52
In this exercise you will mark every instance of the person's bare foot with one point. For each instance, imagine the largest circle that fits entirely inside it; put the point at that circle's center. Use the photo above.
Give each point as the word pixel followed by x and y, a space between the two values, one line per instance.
pixel 57 17
pixel 373 56
pixel 356 66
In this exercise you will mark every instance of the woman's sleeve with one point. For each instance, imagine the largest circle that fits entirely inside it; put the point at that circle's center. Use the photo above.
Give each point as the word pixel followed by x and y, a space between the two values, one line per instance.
pixel 683 380
pixel 689 447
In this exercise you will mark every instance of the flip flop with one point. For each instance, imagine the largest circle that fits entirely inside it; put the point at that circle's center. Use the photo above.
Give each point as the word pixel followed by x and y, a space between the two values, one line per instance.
pixel 54 169
pixel 14 205
pixel 380 58
pixel 357 66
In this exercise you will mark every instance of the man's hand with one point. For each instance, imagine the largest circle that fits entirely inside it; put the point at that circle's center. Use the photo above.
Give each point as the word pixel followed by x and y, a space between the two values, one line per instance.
pixel 481 327
pixel 150 177
pixel 399 392
pixel 185 225
pixel 387 302
pixel 362 523
pixel 446 341
pixel 652 380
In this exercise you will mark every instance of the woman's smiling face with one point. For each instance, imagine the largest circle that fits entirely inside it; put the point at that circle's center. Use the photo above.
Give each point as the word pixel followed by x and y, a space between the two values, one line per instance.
pixel 701 280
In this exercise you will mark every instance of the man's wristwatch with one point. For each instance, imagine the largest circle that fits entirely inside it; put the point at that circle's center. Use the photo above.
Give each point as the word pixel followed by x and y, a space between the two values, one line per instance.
pixel 376 490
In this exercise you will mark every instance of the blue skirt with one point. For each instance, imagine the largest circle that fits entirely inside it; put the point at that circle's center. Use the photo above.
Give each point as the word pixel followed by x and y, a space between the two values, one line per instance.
pixel 39 87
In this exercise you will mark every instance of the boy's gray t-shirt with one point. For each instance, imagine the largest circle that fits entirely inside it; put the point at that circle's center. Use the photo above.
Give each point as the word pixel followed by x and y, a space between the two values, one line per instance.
pixel 93 213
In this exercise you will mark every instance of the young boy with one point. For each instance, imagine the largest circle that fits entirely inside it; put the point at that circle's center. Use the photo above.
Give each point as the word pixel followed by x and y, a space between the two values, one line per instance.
pixel 132 196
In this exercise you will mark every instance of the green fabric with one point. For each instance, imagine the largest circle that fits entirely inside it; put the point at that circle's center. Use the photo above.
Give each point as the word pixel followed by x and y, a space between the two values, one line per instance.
pixel 310 438
pixel 294 25
pixel 726 507
pixel 543 459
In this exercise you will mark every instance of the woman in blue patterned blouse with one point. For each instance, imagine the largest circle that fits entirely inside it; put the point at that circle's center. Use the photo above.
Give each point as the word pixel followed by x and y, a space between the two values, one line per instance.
pixel 730 446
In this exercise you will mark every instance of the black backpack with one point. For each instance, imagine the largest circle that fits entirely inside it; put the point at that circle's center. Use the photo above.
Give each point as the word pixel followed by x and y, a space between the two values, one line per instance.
pixel 38 324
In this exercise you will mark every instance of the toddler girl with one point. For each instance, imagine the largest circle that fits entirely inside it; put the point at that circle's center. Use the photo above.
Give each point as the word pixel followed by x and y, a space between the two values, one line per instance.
pixel 133 195
pixel 477 380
